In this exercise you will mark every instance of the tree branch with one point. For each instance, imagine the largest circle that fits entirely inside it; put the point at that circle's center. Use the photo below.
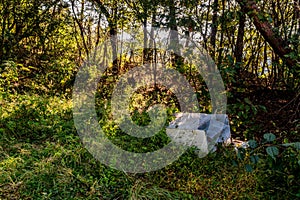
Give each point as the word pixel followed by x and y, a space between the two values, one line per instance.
pixel 276 42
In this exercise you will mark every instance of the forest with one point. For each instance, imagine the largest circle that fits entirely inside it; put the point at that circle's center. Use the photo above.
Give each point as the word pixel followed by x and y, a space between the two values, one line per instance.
pixel 57 56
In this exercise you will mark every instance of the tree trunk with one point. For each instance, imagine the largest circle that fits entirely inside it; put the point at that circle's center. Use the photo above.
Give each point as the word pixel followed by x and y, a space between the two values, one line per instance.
pixel 112 25
pixel 276 42
pixel 238 53
pixel 214 28
pixel 145 50
pixel 80 25
pixel 113 41
pixel 174 39
pixel 151 40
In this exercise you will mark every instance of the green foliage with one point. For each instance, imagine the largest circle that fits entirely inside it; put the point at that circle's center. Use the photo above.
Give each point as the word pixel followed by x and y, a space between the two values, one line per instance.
pixel 57 78
pixel 41 156
pixel 279 162
pixel 9 76
pixel 242 114
pixel 37 47
pixel 31 119
pixel 269 137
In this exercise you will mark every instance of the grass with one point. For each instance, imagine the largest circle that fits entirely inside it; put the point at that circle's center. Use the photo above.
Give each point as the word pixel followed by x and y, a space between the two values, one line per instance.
pixel 42 157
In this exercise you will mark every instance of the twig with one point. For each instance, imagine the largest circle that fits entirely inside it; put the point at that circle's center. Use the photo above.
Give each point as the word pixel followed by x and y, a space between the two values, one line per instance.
pixel 288 103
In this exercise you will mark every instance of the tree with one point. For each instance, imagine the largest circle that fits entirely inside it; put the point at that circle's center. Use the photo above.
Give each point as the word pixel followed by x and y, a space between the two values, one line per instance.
pixel 238 52
pixel 276 42
pixel 111 14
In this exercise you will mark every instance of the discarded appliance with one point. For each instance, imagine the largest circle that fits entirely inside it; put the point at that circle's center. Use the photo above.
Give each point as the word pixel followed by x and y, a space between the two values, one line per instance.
pixel 200 130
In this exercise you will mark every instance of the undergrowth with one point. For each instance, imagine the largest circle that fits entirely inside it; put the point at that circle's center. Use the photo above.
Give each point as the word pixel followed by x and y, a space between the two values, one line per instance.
pixel 42 157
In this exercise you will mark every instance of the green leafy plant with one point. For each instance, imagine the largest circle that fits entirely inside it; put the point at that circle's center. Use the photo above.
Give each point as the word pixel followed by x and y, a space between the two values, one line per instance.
pixel 279 161
pixel 242 114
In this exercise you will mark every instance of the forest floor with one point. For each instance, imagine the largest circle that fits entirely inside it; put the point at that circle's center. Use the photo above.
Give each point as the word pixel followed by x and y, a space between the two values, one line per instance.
pixel 282 114
pixel 283 110
pixel 42 157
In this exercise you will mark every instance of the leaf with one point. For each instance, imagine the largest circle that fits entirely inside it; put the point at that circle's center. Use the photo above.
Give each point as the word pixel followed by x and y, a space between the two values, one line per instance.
pixel 296 145
pixel 288 144
pixel 272 151
pixel 252 144
pixel 263 108
pixel 248 168
pixel 260 16
pixel 240 154
pixel 248 101
pixel 270 137
pixel 270 19
pixel 234 162
pixel 254 159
